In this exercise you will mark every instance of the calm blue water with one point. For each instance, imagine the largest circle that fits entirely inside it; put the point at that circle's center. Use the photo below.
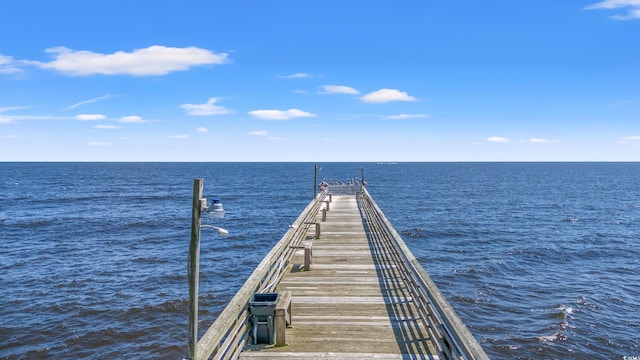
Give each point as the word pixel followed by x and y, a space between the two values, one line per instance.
pixel 541 260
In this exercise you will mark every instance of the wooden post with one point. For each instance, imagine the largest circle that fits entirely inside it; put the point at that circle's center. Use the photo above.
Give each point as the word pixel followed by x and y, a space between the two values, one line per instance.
pixel 315 180
pixel 194 268
pixel 307 256
pixel 283 318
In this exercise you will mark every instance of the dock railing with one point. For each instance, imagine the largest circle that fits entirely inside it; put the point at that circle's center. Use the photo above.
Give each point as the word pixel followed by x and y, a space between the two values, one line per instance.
pixel 227 336
pixel 342 188
pixel 456 341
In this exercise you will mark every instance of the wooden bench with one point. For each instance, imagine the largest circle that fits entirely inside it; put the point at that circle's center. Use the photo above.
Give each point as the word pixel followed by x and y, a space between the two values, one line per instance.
pixel 283 317
pixel 308 252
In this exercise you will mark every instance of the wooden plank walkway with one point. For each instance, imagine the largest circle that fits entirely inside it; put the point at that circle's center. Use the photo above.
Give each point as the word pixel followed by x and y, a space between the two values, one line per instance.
pixel 352 304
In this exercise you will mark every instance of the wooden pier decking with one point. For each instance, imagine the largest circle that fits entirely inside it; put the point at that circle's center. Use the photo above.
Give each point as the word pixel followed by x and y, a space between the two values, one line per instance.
pixel 348 288
pixel 352 303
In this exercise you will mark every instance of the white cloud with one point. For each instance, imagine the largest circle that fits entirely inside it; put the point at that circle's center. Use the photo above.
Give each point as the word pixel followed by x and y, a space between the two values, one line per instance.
pixel 631 140
pixel 154 60
pixel 300 91
pixel 259 133
pixel 8 65
pixel 5 120
pixel 90 117
pixel 202 129
pixel 405 116
pixel 40 117
pixel 387 95
pixel 273 138
pixel 106 127
pixel 87 102
pixel 633 8
pixel 338 89
pixel 497 139
pixel 539 141
pixel 97 143
pixel 296 76
pixel 206 109
pixel 179 136
pixel 9 108
pixel 131 119
pixel 280 114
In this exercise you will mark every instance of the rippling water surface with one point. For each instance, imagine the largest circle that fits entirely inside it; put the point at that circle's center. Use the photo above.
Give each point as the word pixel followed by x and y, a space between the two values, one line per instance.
pixel 541 260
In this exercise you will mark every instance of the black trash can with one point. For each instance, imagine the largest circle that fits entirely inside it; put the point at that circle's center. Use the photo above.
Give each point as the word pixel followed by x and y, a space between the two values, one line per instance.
pixel 262 308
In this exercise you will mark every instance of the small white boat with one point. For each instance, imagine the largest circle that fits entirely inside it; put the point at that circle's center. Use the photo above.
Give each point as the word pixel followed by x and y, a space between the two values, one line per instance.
pixel 216 206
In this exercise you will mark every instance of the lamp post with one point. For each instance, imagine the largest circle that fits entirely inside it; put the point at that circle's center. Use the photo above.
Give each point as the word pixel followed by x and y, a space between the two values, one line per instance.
pixel 199 204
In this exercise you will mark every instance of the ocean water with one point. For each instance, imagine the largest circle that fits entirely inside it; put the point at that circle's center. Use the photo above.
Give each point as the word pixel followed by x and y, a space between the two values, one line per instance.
pixel 541 260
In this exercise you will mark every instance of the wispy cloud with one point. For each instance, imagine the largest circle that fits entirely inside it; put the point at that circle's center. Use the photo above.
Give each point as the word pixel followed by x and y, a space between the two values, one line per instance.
pixel 207 109
pixel 179 136
pixel 280 114
pixel 105 97
pixel 202 130
pixel 8 65
pixel 97 143
pixel 131 119
pixel 406 116
pixel 633 140
pixel 497 139
pixel 41 117
pixel 259 133
pixel 338 89
pixel 5 120
pixel 153 60
pixel 386 95
pixel 295 76
pixel 106 127
pixel 539 141
pixel 90 117
pixel 273 138
pixel 632 6
pixel 11 108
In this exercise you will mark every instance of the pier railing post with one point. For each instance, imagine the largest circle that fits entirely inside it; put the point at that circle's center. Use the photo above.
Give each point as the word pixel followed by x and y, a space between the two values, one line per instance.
pixel 194 268
pixel 315 180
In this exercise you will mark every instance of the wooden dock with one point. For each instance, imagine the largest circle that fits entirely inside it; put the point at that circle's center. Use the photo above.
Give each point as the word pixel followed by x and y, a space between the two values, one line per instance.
pixel 352 301
pixel 348 289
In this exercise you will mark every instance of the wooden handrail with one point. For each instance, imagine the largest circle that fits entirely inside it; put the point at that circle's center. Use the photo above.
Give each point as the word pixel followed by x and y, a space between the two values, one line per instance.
pixel 226 337
pixel 460 342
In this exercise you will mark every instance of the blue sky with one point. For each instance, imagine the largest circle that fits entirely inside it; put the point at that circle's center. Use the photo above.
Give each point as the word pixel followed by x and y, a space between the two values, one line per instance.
pixel 320 81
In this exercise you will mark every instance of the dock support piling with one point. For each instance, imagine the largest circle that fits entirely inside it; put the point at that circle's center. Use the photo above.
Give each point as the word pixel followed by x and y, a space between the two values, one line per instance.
pixel 194 268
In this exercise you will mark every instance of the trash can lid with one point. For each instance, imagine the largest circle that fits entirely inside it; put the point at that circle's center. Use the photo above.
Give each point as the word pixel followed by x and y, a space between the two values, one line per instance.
pixel 264 297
